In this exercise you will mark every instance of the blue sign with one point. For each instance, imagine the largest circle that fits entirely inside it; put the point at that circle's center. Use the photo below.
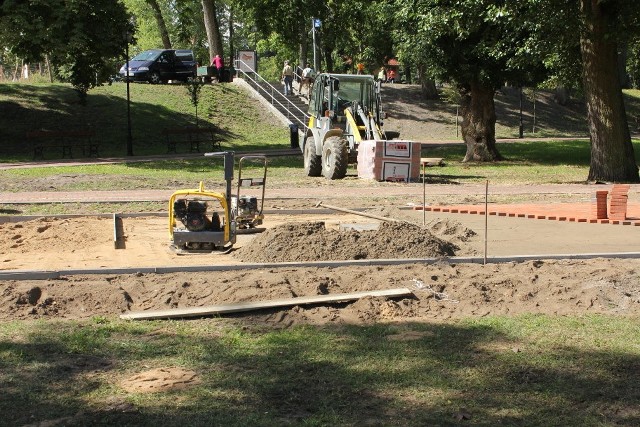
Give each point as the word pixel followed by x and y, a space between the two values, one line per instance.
pixel 316 23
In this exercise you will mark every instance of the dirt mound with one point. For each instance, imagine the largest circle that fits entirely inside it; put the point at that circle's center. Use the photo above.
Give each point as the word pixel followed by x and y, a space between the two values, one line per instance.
pixel 453 231
pixel 312 241
pixel 444 228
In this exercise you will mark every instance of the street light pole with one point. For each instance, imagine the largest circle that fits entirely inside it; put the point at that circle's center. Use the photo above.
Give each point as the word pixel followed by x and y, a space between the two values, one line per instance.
pixel 129 137
pixel 521 133
pixel 127 39
pixel 313 29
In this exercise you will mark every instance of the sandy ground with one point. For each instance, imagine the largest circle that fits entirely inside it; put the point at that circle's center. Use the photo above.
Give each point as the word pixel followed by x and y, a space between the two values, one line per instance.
pixel 441 291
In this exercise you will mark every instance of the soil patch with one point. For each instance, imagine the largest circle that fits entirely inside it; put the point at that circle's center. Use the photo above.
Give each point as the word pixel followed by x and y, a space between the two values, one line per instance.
pixel 440 292
pixel 161 379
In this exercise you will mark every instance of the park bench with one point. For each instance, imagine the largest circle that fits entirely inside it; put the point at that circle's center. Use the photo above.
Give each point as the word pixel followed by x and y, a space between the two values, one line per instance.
pixel 65 140
pixel 192 136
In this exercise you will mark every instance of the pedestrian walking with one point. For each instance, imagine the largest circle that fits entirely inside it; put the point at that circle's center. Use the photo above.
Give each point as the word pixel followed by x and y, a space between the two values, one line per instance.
pixel 287 78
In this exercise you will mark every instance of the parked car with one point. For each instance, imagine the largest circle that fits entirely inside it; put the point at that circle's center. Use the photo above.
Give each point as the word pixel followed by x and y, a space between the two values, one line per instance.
pixel 160 66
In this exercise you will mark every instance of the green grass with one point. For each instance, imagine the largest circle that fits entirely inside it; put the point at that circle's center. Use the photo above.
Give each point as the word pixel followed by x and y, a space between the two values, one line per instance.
pixel 538 162
pixel 243 122
pixel 529 370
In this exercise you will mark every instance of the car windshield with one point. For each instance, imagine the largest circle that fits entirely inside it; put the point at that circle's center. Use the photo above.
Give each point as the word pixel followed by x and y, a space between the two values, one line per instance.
pixel 147 55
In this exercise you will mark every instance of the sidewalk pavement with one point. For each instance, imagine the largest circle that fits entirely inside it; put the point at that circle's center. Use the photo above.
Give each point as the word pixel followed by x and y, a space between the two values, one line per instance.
pixel 413 193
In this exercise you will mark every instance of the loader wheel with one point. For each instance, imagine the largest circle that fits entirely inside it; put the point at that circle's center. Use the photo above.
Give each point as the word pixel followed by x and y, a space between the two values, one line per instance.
pixel 334 158
pixel 312 162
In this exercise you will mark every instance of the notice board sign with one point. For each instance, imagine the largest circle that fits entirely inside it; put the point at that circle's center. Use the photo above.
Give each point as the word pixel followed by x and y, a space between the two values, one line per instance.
pixel 247 61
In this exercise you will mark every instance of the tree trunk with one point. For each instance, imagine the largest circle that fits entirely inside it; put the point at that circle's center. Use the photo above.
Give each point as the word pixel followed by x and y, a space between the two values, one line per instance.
pixel 328 59
pixel 427 85
pixel 612 156
pixel 213 29
pixel 46 58
pixel 162 27
pixel 625 83
pixel 303 50
pixel 231 35
pixel 561 95
pixel 429 89
pixel 479 123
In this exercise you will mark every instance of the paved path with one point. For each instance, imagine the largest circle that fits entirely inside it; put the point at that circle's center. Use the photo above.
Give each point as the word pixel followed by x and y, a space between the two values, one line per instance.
pixel 380 190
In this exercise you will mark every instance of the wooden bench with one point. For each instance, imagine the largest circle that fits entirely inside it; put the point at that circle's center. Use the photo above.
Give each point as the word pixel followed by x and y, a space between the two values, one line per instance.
pixel 66 140
pixel 193 136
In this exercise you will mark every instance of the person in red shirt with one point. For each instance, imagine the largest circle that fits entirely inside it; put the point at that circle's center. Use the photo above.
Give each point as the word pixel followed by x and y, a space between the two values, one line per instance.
pixel 219 64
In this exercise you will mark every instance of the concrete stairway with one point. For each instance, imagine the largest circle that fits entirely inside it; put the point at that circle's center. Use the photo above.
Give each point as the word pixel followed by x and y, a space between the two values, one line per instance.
pixel 293 107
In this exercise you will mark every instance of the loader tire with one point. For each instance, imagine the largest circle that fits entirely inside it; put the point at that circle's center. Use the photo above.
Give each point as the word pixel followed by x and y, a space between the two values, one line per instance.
pixel 312 162
pixel 334 158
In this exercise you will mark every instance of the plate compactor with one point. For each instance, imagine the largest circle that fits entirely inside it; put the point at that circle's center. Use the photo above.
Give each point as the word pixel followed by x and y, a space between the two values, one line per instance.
pixel 196 226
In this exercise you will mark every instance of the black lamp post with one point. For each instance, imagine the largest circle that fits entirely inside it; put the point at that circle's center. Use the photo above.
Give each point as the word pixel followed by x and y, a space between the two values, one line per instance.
pixel 521 130
pixel 128 37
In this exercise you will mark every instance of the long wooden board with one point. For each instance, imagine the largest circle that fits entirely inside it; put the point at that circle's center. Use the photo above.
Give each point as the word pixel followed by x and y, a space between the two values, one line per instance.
pixel 259 305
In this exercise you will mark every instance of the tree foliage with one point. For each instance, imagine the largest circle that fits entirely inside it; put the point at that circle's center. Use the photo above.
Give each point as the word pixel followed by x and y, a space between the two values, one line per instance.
pixel 476 45
pixel 79 36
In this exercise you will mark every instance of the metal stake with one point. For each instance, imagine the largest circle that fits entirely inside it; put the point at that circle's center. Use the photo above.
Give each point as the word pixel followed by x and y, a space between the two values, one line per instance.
pixel 486 218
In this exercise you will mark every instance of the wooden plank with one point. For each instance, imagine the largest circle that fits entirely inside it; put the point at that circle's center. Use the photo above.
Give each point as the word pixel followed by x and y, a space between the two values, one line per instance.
pixel 259 305
pixel 431 161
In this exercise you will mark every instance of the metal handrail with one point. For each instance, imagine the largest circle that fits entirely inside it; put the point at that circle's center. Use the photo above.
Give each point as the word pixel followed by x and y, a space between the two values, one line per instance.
pixel 290 105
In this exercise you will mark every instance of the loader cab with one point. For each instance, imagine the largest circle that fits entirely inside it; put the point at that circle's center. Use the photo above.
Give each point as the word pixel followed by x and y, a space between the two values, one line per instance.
pixel 333 93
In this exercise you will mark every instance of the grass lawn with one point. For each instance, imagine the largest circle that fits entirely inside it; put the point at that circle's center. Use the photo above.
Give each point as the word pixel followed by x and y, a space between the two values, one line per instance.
pixel 536 162
pixel 242 121
pixel 530 370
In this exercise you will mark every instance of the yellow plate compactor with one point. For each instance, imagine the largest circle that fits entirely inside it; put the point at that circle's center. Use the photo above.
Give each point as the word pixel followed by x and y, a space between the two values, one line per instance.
pixel 204 221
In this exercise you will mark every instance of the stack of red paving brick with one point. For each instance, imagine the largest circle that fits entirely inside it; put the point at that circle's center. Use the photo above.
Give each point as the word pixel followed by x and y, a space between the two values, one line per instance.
pixel 599 205
pixel 618 203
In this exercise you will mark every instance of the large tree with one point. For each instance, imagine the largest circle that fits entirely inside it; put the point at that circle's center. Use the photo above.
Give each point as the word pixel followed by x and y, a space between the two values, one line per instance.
pixel 213 28
pixel 612 156
pixel 160 22
pixel 477 45
pixel 80 37
pixel 480 44
pixel 582 40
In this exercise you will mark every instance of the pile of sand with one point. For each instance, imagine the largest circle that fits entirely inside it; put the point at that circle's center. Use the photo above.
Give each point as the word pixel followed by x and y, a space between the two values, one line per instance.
pixel 312 241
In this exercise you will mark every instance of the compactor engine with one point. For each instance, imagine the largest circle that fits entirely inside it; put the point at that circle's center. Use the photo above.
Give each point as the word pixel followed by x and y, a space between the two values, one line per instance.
pixel 193 215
